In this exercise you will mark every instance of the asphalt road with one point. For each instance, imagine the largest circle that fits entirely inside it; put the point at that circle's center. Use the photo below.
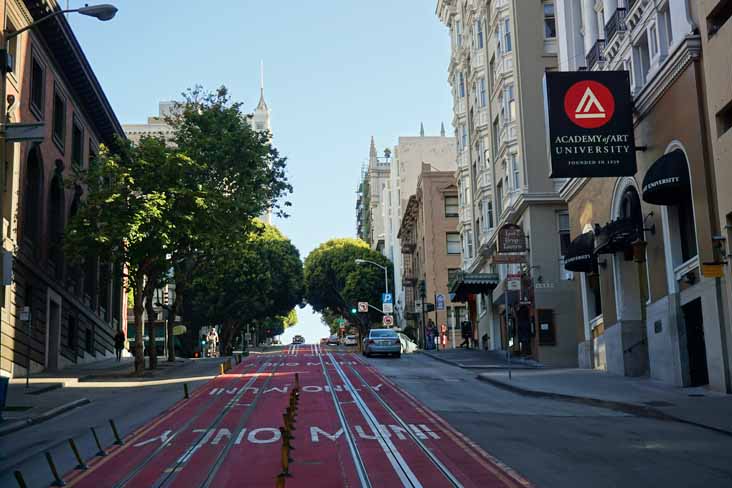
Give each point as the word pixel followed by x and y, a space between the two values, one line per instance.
pixel 563 445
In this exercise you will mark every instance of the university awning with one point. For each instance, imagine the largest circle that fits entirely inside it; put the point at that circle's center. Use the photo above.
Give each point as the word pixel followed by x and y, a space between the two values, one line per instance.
pixel 667 180
pixel 616 236
pixel 464 284
pixel 580 255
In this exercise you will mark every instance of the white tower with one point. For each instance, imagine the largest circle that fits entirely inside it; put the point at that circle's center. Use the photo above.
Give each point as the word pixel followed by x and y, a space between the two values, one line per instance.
pixel 261 117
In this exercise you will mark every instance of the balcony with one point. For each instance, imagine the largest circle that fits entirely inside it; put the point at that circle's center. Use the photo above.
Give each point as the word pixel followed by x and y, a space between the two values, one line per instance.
pixel 408 246
pixel 615 25
pixel 409 277
pixel 596 54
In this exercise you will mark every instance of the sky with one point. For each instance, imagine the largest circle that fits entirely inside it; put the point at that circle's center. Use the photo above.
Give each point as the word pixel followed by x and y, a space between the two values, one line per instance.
pixel 336 72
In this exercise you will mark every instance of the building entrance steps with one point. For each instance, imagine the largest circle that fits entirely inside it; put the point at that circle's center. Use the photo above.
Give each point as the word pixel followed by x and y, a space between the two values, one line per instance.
pixel 480 359
pixel 639 396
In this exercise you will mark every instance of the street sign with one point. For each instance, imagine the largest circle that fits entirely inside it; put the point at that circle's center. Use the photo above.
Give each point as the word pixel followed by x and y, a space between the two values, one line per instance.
pixel 440 302
pixel 513 282
pixel 511 238
pixel 712 270
pixel 387 298
pixel 22 132
pixel 363 306
pixel 387 307
pixel 388 320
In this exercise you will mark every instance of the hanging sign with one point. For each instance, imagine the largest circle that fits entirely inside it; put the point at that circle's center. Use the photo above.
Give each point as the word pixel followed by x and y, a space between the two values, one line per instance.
pixel 511 238
pixel 589 120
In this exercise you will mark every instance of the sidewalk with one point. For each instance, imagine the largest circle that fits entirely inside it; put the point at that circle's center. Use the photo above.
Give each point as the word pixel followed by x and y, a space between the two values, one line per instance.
pixel 638 396
pixel 479 359
pixel 51 394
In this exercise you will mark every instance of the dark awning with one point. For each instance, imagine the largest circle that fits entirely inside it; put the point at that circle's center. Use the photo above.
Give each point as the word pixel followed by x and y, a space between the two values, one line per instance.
pixel 464 284
pixel 616 236
pixel 580 255
pixel 667 179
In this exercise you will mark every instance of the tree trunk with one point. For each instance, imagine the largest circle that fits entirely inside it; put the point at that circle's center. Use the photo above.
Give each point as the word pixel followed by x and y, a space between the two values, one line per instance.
pixel 151 346
pixel 138 310
pixel 177 303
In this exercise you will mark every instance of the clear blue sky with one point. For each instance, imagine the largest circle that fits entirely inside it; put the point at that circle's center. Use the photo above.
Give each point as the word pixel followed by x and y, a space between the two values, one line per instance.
pixel 336 73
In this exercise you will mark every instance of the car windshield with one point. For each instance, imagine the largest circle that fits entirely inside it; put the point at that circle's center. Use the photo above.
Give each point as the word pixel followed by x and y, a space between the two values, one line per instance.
pixel 383 333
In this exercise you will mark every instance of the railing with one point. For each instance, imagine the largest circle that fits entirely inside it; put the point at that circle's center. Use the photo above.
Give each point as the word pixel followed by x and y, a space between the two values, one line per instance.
pixel 408 246
pixel 615 24
pixel 596 54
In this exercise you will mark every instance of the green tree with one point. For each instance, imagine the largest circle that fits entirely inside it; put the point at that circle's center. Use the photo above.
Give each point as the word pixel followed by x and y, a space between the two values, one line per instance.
pixel 334 283
pixel 127 217
pixel 255 279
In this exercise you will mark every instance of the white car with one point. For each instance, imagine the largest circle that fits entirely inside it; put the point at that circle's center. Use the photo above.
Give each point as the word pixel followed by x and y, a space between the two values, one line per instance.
pixel 351 340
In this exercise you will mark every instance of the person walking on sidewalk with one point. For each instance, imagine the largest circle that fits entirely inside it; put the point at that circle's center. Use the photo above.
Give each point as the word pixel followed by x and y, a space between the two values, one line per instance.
pixel 119 343
pixel 467 332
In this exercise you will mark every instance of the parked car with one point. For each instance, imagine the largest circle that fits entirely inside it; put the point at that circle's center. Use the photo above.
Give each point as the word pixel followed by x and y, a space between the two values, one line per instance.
pixel 382 341
pixel 298 339
pixel 323 340
pixel 350 340
pixel 333 340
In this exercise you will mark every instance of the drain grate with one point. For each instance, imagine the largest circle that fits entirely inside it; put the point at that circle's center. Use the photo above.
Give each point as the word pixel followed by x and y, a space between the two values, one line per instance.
pixel 658 403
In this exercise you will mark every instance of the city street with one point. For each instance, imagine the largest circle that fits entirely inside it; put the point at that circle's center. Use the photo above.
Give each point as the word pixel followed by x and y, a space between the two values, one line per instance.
pixel 381 422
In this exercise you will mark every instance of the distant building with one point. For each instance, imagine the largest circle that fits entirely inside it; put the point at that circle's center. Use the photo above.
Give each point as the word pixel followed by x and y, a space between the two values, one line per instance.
pixel 155 126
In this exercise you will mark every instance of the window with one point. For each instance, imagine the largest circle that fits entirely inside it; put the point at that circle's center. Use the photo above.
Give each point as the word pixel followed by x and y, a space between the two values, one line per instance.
pixel 507 35
pixel 653 37
pixel 458 33
pixel 12 46
pixel 550 22
pixel 489 215
pixel 499 198
pixel 464 137
pixel 461 84
pixel 496 130
pixel 92 153
pixel 451 206
pixel 724 120
pixel 510 101
pixel 563 226
pixel 59 119
pixel 77 144
pixel 492 72
pixel 479 33
pixel 482 93
pixel 719 16
pixel 667 27
pixel 641 61
pixel 516 172
pixel 453 243
pixel 594 297
pixel 37 87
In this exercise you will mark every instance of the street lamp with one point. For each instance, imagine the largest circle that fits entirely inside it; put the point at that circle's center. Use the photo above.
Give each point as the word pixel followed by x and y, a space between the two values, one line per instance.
pixel 386 276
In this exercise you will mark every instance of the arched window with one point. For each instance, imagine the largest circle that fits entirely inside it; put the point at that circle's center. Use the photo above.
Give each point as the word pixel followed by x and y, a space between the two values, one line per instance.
pixel 56 219
pixel 32 199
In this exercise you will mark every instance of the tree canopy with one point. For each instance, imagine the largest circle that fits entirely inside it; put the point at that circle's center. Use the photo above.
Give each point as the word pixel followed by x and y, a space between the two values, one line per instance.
pixel 334 282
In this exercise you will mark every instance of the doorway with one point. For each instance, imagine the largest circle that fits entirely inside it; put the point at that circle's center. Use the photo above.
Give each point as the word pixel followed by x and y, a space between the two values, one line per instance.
pixel 695 345
pixel 53 337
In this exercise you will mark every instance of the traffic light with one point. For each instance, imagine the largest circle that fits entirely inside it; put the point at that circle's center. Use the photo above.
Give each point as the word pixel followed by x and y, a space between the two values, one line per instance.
pixel 429 307
pixel 354 310
pixel 422 288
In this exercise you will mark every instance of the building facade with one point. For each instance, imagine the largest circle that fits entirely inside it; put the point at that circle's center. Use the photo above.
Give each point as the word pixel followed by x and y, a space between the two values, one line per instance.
pixel 430 249
pixel 75 311
pixel 500 51
pixel 647 303
pixel 408 156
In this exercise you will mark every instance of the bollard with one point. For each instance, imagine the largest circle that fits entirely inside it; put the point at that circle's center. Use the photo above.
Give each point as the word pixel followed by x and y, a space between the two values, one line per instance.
pixel 288 423
pixel 221 368
pixel 285 461
pixel 80 462
pixel 185 391
pixel 117 439
pixel 280 482
pixel 19 478
pixel 57 480
pixel 297 381
pixel 101 452
pixel 286 437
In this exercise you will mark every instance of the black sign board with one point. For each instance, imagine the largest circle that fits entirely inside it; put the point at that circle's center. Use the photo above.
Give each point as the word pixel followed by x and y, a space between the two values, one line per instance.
pixel 589 119
pixel 511 238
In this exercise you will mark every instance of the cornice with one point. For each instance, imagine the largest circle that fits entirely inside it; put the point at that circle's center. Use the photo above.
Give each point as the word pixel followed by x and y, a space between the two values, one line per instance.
pixel 571 187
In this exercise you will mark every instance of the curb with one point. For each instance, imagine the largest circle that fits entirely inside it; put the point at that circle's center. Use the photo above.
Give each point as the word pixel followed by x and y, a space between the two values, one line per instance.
pixel 54 412
pixel 629 408
pixel 487 366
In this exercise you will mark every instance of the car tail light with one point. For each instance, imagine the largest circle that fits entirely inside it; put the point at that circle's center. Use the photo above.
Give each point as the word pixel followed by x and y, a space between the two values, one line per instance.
pixel 371 341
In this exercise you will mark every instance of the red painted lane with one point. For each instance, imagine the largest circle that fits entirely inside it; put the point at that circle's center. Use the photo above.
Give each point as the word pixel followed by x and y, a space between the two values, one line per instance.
pixel 418 462
pixel 379 470
pixel 259 445
pixel 465 460
pixel 317 457
pixel 109 470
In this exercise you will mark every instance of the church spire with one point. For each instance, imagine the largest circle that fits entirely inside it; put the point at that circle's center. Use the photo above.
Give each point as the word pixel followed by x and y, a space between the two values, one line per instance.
pixel 421 129
pixel 442 129
pixel 372 152
pixel 262 105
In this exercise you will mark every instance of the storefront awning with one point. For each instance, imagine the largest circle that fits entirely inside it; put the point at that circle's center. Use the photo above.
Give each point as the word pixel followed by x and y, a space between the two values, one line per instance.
pixel 667 179
pixel 616 236
pixel 464 284
pixel 580 255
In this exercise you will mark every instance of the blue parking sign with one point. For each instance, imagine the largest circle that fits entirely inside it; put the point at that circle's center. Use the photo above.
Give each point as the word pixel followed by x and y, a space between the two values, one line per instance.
pixel 440 302
pixel 387 298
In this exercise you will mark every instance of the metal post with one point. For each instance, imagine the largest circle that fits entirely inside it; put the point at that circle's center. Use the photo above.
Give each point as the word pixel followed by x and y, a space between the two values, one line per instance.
pixel 386 279
pixel 508 327
pixel 30 321
pixel 117 439
pixel 57 480
pixel 19 478
pixel 101 452
pixel 80 462
pixel 452 326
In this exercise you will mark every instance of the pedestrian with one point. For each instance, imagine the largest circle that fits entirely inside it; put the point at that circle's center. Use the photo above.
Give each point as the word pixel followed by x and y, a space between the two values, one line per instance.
pixel 465 332
pixel 485 341
pixel 119 343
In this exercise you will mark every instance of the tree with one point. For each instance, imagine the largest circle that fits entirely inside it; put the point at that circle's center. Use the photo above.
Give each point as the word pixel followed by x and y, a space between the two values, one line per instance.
pixel 334 283
pixel 127 217
pixel 241 171
pixel 254 279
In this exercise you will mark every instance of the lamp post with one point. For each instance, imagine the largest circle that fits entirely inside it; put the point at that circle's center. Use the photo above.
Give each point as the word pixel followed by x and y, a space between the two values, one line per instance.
pixel 102 12
pixel 386 270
